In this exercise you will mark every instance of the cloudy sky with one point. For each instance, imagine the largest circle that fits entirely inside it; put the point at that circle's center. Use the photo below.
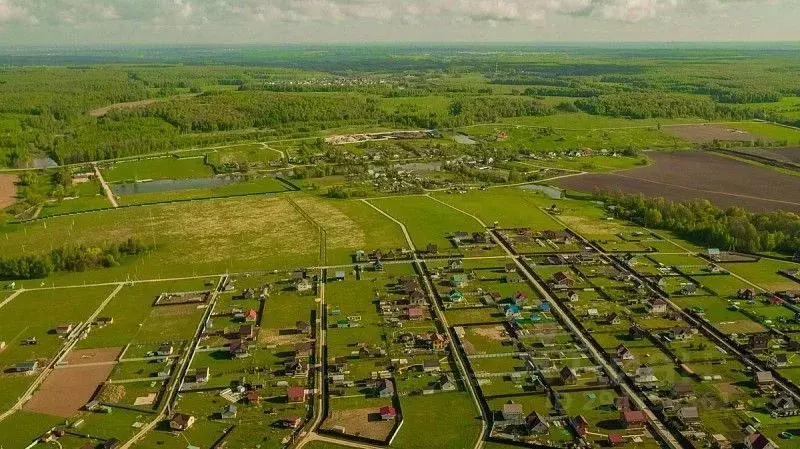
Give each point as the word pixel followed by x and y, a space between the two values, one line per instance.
pixel 323 21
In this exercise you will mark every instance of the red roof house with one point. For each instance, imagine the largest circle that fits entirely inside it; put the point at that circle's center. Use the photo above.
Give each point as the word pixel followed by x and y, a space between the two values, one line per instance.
pixel 296 394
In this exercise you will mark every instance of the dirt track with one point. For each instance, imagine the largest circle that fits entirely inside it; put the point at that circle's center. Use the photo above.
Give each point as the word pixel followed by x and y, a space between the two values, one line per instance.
pixel 87 356
pixel 66 390
pixel 684 176
pixel 8 190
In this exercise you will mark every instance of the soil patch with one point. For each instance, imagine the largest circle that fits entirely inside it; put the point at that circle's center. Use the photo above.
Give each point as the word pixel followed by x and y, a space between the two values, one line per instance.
pixel 709 133
pixel 8 190
pixel 740 327
pixel 78 357
pixel 494 333
pixel 66 390
pixel 682 176
pixel 364 422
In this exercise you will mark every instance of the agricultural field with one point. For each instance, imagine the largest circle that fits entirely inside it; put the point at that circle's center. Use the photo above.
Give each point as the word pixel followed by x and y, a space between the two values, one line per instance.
pixel 684 176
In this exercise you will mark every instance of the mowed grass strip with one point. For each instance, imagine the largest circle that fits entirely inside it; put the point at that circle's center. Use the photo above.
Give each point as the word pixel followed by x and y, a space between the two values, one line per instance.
pixel 511 207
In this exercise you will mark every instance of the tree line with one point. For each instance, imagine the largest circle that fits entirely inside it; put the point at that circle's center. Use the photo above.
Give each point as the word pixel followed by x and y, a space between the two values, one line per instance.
pixel 69 259
pixel 705 224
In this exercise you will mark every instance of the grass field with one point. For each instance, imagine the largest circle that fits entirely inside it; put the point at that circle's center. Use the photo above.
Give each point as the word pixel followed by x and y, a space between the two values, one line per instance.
pixel 457 424
pixel 192 238
pixel 510 207
pixel 764 273
pixel 774 132
pixel 426 220
pixel 159 168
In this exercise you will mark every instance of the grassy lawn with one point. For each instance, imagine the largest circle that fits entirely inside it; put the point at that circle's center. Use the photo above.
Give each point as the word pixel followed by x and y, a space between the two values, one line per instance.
pixel 770 131
pixel 764 273
pixel 159 168
pixel 19 429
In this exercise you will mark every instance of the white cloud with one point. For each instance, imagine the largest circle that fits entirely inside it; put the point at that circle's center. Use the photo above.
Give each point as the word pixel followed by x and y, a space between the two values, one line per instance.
pixel 241 12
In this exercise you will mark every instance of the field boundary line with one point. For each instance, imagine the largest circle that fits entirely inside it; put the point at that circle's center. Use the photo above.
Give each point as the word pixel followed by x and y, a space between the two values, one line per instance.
pixel 323 234
pixel 480 222
pixel 106 188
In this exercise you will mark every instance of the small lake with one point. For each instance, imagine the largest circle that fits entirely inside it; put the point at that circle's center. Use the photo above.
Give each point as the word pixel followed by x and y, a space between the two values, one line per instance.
pixel 463 138
pixel 171 185
pixel 552 192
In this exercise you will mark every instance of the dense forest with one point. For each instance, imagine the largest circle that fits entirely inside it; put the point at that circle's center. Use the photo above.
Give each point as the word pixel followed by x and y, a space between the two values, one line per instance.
pixel 48 103
pixel 706 224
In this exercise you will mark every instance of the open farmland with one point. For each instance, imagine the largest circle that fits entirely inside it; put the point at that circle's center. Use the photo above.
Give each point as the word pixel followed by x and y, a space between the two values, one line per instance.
pixel 8 190
pixel 692 175
pixel 708 133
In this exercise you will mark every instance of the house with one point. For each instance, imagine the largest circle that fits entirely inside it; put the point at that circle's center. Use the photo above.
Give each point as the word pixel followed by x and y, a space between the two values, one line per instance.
pixel 568 376
pixel 459 280
pixel 622 403
pixel 758 441
pixel 520 298
pixel 64 329
pixel 295 394
pixel 246 332
pixel 455 296
pixel 415 313
pixel 680 333
pixel 340 276
pixel 758 342
pixel 431 366
pixel 613 319
pixel 633 418
pixel 688 416
pixel 512 412
pixel 580 425
pixel 303 349
pixel 747 294
pixel 377 266
pixel 181 421
pixel 253 398
pixel 28 367
pixel 615 439
pixel 536 423
pixel 636 332
pixel 689 289
pixel 165 350
pixel 574 297
pixel 562 280
pixel 295 367
pixel 682 390
pixel 251 316
pixel 779 361
pixel 239 349
pixel 544 306
pixel 775 300
pixel 623 353
pixel 455 264
pixel 384 388
pixel 644 376
pixel 202 375
pixel 512 311
pixel 387 413
pixel 432 248
pixel 104 321
pixel 446 383
pixel 657 306
pixel 511 268
pixel 764 379
pixel 229 412
pixel 291 423
pixel 719 441
pixel 782 406
pixel 436 341
pixel 713 253
pixel 302 327
pixel 303 285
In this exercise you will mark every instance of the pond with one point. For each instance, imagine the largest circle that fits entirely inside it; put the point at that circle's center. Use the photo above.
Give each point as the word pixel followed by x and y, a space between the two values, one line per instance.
pixel 552 192
pixel 171 185
pixel 463 138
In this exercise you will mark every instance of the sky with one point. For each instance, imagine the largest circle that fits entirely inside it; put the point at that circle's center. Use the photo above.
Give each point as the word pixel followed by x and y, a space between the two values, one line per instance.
pixel 92 22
